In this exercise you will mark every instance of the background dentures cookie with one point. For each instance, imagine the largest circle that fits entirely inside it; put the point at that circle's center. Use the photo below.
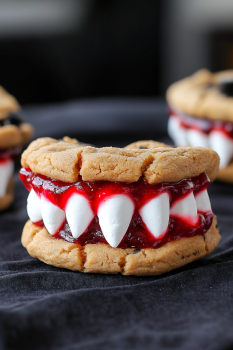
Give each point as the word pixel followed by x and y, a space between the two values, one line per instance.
pixel 113 210
pixel 202 95
pixel 202 115
pixel 14 133
pixel 8 104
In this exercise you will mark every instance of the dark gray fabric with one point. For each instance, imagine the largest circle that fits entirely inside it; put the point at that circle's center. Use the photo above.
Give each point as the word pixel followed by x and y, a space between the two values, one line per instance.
pixel 42 307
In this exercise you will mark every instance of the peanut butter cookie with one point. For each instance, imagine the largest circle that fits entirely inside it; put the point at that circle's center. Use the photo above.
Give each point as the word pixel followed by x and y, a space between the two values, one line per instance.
pixel 135 211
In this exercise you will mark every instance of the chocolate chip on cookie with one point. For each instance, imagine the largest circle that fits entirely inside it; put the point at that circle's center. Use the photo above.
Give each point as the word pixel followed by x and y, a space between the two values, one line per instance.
pixel 226 87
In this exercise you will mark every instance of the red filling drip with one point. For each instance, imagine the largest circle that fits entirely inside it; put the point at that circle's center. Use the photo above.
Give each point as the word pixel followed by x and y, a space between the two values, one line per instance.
pixel 9 153
pixel 137 235
pixel 204 125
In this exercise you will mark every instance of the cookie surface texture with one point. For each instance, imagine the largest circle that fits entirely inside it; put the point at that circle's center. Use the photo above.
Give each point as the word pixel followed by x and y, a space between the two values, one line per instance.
pixel 66 161
pixel 199 95
pixel 101 258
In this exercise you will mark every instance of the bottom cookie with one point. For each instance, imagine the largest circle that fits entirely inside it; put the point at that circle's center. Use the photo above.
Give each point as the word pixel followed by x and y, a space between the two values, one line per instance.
pixel 6 200
pixel 101 258
pixel 226 174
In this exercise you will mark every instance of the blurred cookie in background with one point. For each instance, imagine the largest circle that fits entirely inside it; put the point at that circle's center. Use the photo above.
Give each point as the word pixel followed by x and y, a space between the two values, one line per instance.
pixel 14 133
pixel 201 114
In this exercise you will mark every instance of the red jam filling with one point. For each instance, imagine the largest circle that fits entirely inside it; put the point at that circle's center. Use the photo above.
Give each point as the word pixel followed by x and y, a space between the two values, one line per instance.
pixel 137 235
pixel 202 124
pixel 9 153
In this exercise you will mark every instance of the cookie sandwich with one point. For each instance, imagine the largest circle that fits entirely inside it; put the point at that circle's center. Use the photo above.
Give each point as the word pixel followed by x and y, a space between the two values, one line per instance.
pixel 139 211
pixel 201 114
pixel 13 134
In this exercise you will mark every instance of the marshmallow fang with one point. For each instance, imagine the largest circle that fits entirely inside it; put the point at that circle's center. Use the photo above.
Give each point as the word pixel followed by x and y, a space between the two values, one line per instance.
pixel 53 216
pixel 155 214
pixel 6 171
pixel 176 132
pixel 186 208
pixel 203 202
pixel 223 146
pixel 79 214
pixel 197 138
pixel 115 214
pixel 33 207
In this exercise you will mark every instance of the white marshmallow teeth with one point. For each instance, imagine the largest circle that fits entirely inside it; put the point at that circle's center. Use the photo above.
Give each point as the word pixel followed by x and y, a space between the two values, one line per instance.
pixel 203 202
pixel 6 171
pixel 115 214
pixel 197 138
pixel 33 207
pixel 176 132
pixel 79 214
pixel 223 146
pixel 186 208
pixel 53 216
pixel 155 214
pixel 217 140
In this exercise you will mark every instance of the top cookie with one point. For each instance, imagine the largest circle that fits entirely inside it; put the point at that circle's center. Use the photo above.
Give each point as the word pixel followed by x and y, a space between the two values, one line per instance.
pixel 8 104
pixel 65 161
pixel 200 96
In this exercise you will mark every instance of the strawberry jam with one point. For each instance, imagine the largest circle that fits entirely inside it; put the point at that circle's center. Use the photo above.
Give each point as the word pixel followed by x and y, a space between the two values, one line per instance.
pixel 137 236
pixel 9 153
pixel 202 124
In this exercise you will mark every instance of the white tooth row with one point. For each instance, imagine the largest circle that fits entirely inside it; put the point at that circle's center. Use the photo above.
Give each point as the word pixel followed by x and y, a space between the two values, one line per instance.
pixel 219 142
pixel 6 171
pixel 115 213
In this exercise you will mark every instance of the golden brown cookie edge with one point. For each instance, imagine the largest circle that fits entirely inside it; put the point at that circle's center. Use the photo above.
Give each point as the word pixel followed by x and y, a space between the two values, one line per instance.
pixel 101 258
pixel 189 96
pixel 65 162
